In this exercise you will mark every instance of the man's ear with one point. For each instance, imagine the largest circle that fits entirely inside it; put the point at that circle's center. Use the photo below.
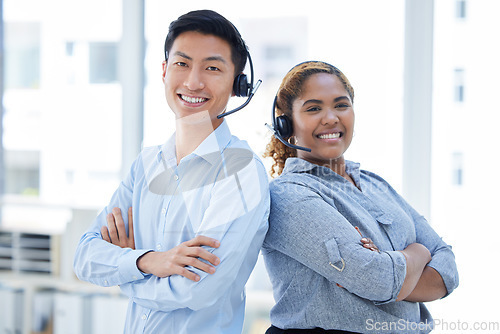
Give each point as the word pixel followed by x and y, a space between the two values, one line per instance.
pixel 164 70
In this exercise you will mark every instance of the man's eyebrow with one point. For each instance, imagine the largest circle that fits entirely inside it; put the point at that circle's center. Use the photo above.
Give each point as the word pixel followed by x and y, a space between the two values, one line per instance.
pixel 216 58
pixel 182 54
pixel 211 58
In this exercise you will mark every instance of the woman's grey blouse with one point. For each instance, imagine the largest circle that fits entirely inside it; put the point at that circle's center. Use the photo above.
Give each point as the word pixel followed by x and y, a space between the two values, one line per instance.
pixel 312 246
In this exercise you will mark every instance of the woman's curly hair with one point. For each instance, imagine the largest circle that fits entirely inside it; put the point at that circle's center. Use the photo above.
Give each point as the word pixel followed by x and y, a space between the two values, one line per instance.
pixel 289 90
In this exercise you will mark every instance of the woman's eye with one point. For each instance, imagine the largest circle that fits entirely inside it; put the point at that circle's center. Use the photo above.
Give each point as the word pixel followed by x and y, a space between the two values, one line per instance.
pixel 342 106
pixel 313 109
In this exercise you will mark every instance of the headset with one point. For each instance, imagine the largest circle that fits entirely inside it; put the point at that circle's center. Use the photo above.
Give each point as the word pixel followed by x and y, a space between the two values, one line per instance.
pixel 283 128
pixel 243 88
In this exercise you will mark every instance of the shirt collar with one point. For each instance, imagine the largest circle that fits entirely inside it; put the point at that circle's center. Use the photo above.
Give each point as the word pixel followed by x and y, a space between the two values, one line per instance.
pixel 298 165
pixel 210 149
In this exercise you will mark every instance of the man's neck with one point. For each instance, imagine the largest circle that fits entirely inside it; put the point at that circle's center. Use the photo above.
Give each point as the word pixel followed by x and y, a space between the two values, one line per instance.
pixel 191 131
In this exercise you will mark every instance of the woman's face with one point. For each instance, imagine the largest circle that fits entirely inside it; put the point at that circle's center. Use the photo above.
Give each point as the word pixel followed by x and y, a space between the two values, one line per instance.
pixel 323 120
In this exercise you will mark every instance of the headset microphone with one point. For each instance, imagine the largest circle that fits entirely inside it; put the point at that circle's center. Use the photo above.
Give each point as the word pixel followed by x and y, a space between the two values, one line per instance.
pixel 243 88
pixel 252 93
pixel 283 128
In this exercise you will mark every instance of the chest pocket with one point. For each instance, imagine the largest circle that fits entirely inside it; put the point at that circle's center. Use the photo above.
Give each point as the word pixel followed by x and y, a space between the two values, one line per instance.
pixel 400 230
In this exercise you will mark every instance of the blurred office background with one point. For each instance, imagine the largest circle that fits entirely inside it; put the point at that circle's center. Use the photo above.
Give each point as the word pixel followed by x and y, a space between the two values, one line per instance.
pixel 82 92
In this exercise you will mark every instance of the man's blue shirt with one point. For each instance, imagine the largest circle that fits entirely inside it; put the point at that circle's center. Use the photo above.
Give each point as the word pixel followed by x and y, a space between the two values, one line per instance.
pixel 220 191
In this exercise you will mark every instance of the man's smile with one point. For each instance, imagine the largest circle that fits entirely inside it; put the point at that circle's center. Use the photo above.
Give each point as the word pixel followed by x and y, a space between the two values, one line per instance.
pixel 192 99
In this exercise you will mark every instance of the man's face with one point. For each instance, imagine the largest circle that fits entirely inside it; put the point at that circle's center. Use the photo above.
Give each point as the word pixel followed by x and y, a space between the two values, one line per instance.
pixel 199 75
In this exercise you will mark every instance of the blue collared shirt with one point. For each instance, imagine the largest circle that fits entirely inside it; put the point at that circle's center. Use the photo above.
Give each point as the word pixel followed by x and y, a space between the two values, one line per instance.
pixel 221 191
pixel 312 245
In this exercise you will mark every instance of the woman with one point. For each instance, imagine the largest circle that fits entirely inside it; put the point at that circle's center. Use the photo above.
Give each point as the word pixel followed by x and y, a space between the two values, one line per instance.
pixel 326 280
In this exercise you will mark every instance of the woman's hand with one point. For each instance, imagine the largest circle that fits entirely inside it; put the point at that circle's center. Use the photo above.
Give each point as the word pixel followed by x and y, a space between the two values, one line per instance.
pixel 367 242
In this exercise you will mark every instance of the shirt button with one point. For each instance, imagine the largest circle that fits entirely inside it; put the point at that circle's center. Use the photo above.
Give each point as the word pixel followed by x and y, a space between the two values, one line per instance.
pixel 143 317
pixel 105 282
pixel 176 177
pixel 163 211
pixel 158 247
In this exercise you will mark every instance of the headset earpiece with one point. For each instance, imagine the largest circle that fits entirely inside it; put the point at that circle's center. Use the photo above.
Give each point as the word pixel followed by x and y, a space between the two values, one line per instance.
pixel 284 126
pixel 241 86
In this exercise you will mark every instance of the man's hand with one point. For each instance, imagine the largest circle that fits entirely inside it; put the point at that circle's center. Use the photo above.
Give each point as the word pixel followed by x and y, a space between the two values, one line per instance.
pixel 163 264
pixel 115 232
pixel 175 260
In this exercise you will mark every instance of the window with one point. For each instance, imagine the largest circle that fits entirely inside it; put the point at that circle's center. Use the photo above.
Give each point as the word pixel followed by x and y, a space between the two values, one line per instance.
pixel 459 85
pixel 457 168
pixel 22 172
pixel 276 57
pixel 70 47
pixel 460 9
pixel 103 62
pixel 278 52
pixel 22 55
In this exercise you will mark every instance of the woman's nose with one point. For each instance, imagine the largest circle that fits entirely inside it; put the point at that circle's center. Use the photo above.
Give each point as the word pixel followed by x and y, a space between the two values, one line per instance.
pixel 329 117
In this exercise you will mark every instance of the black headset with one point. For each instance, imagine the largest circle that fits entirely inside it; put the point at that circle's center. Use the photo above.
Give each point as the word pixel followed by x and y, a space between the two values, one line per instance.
pixel 283 128
pixel 243 88
pixel 282 125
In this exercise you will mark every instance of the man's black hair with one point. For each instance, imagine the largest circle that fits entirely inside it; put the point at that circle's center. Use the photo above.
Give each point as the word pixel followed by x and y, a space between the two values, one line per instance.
pixel 210 23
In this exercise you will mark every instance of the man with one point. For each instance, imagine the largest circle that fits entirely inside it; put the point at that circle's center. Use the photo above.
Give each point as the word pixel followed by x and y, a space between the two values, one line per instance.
pixel 199 203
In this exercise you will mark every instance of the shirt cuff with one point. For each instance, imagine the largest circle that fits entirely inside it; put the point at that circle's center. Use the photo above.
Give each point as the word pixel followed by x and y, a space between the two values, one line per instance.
pixel 399 274
pixel 446 267
pixel 127 265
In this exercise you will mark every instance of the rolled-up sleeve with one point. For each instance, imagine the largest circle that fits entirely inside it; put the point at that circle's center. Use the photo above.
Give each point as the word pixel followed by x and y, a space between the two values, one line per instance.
pixel 443 258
